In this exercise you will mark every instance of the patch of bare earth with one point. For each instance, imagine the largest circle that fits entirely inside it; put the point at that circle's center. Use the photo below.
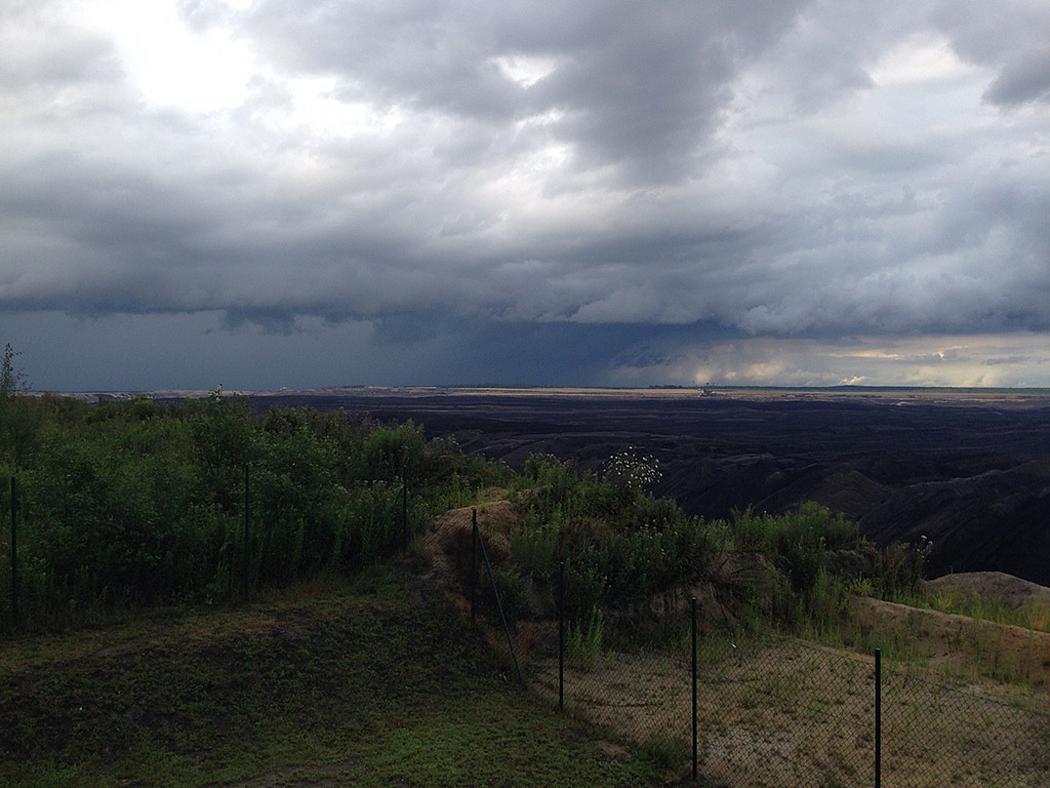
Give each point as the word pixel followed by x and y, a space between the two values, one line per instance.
pixel 960 645
pixel 1012 591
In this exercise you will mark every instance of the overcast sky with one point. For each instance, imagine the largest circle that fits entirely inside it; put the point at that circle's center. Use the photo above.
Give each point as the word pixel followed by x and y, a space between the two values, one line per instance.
pixel 296 193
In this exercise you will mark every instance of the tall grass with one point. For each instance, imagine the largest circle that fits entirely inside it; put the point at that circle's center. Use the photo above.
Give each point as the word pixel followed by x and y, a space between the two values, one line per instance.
pixel 1033 613
pixel 585 639
pixel 622 546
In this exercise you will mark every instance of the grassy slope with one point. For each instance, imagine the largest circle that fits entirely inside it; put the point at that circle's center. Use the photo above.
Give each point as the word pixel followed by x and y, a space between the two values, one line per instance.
pixel 375 681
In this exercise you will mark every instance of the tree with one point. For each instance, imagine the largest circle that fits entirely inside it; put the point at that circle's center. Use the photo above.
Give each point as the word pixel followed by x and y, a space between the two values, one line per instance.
pixel 12 379
pixel 20 419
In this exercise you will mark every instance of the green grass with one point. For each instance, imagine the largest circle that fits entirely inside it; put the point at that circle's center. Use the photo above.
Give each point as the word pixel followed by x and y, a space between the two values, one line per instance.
pixel 1033 614
pixel 374 681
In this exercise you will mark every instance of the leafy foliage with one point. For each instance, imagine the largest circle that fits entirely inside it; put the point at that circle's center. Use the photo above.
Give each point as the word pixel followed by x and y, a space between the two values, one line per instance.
pixel 142 503
pixel 901 569
pixel 622 545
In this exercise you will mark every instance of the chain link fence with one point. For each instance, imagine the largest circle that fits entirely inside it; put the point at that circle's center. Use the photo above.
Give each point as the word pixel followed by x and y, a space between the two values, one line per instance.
pixel 776 710
pixel 939 730
pixel 781 711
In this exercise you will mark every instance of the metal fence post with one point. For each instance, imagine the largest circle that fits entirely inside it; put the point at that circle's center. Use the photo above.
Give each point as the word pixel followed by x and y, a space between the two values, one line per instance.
pixel 404 509
pixel 499 607
pixel 14 553
pixel 473 566
pixel 561 636
pixel 692 610
pixel 247 525
pixel 878 718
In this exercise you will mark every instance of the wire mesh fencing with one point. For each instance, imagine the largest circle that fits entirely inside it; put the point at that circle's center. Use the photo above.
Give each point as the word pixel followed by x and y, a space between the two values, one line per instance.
pixel 776 710
pixel 939 730
pixel 642 699
pixel 781 711
pixel 767 709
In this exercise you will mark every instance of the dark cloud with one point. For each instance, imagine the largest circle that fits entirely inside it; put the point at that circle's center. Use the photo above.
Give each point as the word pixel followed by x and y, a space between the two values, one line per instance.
pixel 633 86
pixel 617 183
pixel 1012 40
pixel 1024 79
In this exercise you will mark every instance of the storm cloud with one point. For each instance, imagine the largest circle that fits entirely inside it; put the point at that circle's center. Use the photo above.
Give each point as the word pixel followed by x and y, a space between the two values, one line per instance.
pixel 582 187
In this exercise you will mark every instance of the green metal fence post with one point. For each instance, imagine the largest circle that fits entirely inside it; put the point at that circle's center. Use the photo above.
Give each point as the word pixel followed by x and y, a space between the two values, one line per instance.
pixel 561 636
pixel 473 566
pixel 692 611
pixel 878 718
pixel 247 526
pixel 499 607
pixel 404 509
pixel 14 553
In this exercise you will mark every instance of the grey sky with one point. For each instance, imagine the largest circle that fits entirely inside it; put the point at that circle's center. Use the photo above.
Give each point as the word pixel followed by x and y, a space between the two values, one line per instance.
pixel 308 193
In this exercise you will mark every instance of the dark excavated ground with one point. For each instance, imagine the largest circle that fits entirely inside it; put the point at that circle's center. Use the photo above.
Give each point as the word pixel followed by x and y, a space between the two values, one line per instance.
pixel 972 475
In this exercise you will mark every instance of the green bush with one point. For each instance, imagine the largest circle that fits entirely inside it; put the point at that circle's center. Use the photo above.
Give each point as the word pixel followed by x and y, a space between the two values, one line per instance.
pixel 584 586
pixel 141 503
pixel 901 568
pixel 667 755
pixel 513 595
pixel 534 550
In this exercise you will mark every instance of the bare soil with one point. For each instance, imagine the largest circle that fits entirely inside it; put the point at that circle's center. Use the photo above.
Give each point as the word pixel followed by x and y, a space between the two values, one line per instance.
pixel 960 645
pixel 1012 591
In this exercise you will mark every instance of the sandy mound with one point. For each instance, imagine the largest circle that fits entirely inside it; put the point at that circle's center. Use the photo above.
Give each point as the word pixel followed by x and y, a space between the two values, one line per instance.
pixel 448 547
pixel 450 536
pixel 448 544
pixel 984 647
pixel 1012 591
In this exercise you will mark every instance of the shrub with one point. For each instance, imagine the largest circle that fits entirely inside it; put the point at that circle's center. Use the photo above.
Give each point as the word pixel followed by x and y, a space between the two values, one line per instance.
pixel 630 473
pixel 665 754
pixel 584 586
pixel 513 595
pixel 390 452
pixel 139 503
pixel 534 550
pixel 828 603
pixel 901 567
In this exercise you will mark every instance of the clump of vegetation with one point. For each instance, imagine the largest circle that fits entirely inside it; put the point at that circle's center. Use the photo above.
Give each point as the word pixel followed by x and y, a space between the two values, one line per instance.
pixel 133 503
pixel 1032 613
pixel 665 754
pixel 513 596
pixel 630 473
pixel 584 641
pixel 901 569
pixel 534 550
pixel 622 546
